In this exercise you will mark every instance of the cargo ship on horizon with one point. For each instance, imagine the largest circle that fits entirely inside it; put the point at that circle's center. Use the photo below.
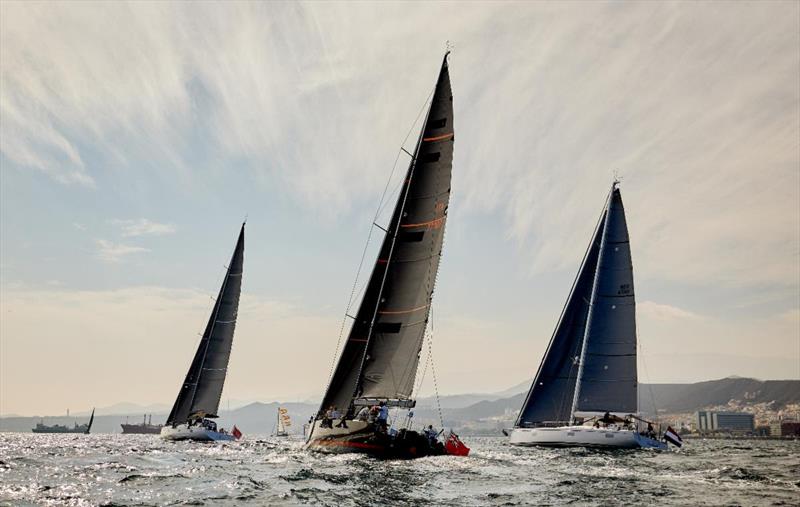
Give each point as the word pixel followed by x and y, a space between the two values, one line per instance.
pixel 145 427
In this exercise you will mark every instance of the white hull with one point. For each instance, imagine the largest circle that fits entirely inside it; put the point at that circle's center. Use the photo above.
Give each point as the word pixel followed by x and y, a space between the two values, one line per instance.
pixel 582 436
pixel 184 432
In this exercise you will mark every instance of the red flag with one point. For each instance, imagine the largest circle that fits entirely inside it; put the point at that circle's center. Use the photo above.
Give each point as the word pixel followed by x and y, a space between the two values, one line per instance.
pixel 455 447
pixel 236 433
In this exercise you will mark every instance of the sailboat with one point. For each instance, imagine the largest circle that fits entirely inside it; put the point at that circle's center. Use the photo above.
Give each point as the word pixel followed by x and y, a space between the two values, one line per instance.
pixel 378 363
pixel 191 417
pixel 585 392
pixel 283 422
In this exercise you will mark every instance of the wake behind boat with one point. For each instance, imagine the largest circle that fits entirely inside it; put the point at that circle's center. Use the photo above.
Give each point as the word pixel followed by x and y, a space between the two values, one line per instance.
pixel 197 403
pixel 586 390
pixel 378 363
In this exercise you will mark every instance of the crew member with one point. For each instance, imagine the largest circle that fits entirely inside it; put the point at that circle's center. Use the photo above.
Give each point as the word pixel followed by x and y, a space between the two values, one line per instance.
pixel 383 416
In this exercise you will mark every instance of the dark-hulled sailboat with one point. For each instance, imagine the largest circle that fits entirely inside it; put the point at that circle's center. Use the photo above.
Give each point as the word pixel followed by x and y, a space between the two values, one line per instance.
pixel 378 363
pixel 197 403
pixel 586 390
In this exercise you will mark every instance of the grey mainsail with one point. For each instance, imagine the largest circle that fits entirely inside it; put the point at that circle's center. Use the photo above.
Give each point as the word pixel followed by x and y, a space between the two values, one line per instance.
pixel 380 357
pixel 590 363
pixel 200 393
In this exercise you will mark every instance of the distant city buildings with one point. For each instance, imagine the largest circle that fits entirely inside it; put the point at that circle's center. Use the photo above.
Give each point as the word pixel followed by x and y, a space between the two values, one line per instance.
pixel 730 422
pixel 785 429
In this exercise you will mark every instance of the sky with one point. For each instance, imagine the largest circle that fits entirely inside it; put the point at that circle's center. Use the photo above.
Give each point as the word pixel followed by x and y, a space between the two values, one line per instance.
pixel 136 137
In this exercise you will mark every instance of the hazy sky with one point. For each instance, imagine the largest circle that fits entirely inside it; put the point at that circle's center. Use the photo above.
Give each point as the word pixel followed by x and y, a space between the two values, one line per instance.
pixel 136 137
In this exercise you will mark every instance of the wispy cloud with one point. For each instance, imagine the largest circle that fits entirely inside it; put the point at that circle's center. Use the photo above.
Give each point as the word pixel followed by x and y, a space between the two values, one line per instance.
pixel 660 311
pixel 697 109
pixel 143 227
pixel 116 252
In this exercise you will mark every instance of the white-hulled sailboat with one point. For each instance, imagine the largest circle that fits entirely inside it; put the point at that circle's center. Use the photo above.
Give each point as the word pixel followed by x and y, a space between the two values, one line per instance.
pixel 197 403
pixel 586 390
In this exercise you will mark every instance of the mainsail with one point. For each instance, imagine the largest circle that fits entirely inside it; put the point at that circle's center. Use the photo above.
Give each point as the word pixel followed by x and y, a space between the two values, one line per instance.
pixel 380 357
pixel 608 380
pixel 590 364
pixel 201 390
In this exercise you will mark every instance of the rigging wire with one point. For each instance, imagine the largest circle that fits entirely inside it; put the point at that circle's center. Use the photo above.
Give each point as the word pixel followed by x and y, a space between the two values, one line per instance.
pixel 381 206
pixel 433 373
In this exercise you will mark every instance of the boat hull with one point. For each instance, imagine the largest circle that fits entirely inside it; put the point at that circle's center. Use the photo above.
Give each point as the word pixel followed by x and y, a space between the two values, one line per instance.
pixel 139 429
pixel 81 430
pixel 582 436
pixel 197 433
pixel 360 437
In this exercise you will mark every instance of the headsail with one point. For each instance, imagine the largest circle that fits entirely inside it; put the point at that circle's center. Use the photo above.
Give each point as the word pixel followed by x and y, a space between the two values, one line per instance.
pixel 380 357
pixel 550 396
pixel 201 390
pixel 608 380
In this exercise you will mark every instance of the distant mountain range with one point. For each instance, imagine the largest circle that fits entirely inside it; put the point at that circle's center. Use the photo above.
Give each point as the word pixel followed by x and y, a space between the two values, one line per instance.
pixel 468 413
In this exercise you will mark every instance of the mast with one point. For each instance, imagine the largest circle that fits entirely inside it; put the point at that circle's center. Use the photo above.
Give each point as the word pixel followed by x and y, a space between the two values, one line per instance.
pixel 202 389
pixel 379 358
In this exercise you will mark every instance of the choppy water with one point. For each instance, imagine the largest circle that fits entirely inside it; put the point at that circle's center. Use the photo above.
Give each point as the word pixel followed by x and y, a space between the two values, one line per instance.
pixel 144 470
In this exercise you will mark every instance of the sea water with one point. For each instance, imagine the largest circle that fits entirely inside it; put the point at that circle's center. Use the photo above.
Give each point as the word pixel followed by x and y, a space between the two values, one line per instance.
pixel 145 470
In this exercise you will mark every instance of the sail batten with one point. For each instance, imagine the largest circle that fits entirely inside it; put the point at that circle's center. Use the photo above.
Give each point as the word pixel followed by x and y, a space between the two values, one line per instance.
pixel 380 357
pixel 201 391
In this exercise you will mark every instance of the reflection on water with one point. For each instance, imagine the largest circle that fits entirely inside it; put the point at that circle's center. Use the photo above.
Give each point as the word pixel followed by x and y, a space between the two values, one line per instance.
pixel 144 470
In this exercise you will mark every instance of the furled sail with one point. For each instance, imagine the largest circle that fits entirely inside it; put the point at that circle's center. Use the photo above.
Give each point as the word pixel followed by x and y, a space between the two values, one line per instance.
pixel 201 390
pixel 608 380
pixel 380 357
pixel 550 396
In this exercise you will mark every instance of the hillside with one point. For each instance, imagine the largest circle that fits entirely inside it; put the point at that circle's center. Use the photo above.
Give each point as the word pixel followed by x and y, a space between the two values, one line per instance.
pixel 476 413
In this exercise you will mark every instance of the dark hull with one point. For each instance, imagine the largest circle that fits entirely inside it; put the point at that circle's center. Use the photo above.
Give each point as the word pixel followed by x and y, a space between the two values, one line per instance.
pixel 141 429
pixel 58 430
pixel 406 445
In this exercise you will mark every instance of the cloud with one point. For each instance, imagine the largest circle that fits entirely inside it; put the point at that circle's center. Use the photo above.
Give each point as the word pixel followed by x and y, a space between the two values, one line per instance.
pixel 696 108
pixel 659 311
pixel 143 227
pixel 116 252
pixel 79 226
